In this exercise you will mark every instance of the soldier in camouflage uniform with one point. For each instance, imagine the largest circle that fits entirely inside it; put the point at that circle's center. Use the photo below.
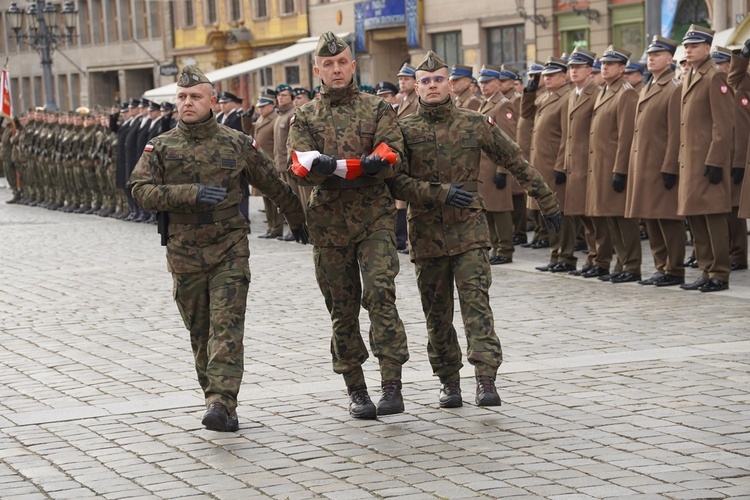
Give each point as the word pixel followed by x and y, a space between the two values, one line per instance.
pixel 194 173
pixel 444 144
pixel 352 224
pixel 6 157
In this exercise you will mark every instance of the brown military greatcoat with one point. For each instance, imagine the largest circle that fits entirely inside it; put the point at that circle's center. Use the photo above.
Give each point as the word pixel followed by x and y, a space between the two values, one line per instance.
pixel 655 150
pixel 612 125
pixel 467 99
pixel 706 138
pixel 503 114
pixel 408 104
pixel 577 130
pixel 739 79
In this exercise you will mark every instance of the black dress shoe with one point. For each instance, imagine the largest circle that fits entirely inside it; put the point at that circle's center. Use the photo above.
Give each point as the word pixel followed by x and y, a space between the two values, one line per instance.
pixel 670 280
pixel 268 236
pixel 691 262
pixel 404 251
pixel 520 240
pixel 288 237
pixel 714 285
pixel 545 267
pixel 595 272
pixel 528 244
pixel 579 272
pixel 695 285
pixel 736 266
pixel 608 276
pixel 540 244
pixel 500 260
pixel 625 278
pixel 562 267
pixel 652 280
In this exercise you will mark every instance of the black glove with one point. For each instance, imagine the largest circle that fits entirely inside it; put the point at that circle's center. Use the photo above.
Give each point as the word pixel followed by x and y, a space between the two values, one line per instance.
pixel 618 182
pixel 210 195
pixel 457 197
pixel 532 84
pixel 300 234
pixel 501 180
pixel 714 174
pixel 745 52
pixel 737 175
pixel 324 164
pixel 669 180
pixel 371 165
pixel 553 221
pixel 560 177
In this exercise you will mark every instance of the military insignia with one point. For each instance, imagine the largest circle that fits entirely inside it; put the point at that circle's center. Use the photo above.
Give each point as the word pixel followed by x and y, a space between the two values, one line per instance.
pixel 255 143
pixel 149 147
pixel 744 102
pixel 430 63
pixel 332 47
pixel 292 119
pixel 490 120
pixel 509 115
pixel 723 89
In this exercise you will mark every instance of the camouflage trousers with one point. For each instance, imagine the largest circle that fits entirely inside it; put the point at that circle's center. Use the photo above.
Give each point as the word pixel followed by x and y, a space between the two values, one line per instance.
pixel 338 270
pixel 212 306
pixel 472 275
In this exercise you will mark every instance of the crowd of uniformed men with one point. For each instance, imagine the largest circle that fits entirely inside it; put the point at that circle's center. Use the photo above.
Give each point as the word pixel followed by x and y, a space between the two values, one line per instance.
pixel 630 148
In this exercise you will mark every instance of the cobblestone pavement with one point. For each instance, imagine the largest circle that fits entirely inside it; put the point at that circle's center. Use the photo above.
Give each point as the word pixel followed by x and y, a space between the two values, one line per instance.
pixel 608 390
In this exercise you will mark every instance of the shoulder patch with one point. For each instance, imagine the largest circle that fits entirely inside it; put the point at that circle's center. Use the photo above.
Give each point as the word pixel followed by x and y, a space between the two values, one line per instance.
pixel 149 147
pixel 490 120
pixel 744 102
pixel 255 143
pixel 293 119
pixel 723 88
pixel 509 115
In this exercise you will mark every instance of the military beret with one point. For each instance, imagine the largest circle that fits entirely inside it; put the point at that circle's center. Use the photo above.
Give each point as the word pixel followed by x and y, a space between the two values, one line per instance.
pixel 659 43
pixel 721 54
pixel 461 71
pixel 581 56
pixel 554 65
pixel 283 87
pixel 315 91
pixel 190 76
pixel 534 68
pixel 407 70
pixel 614 54
pixel 383 88
pixel 301 91
pixel 368 89
pixel 634 66
pixel 265 99
pixel 698 34
pixel 431 62
pixel 167 106
pixel 330 45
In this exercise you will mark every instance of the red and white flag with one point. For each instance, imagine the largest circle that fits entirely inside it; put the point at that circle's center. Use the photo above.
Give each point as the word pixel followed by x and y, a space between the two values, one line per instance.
pixel 6 105
pixel 347 169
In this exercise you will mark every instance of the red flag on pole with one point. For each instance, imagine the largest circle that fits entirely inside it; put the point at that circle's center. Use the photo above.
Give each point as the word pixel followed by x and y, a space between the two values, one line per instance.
pixel 6 105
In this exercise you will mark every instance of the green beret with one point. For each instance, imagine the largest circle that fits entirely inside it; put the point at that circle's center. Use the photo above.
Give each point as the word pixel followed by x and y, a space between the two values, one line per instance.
pixel 282 87
pixel 431 62
pixel 190 76
pixel 330 45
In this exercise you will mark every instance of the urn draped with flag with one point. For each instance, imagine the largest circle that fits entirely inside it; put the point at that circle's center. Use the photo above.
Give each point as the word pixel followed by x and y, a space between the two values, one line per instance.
pixel 348 169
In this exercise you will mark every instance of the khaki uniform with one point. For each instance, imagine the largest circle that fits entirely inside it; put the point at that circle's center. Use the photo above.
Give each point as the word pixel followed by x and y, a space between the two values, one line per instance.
pixel 263 131
pixel 739 79
pixel 468 100
pixel 408 104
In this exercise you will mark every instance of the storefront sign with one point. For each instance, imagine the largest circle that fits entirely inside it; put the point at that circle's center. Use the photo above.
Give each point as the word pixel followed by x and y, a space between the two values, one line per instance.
pixel 384 13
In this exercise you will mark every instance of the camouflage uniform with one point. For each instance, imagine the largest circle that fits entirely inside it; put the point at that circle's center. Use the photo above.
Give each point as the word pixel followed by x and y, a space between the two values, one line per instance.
pixel 444 144
pixel 9 167
pixel 207 250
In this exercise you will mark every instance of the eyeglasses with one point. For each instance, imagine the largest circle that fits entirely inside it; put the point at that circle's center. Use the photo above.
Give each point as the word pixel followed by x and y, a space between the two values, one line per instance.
pixel 427 80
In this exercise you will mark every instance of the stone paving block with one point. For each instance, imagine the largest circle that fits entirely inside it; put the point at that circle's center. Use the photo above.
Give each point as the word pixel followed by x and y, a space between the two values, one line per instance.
pixel 697 494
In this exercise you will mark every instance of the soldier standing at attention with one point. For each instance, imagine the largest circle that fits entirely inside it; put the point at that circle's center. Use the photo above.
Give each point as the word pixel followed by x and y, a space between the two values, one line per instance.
pixel 445 144
pixel 285 110
pixel 461 90
pixel 194 172
pixel 352 224
pixel 739 79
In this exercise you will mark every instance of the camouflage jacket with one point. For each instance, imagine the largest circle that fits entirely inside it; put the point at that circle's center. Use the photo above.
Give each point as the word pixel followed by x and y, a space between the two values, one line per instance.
pixel 346 124
pixel 87 146
pixel 444 144
pixel 167 176
pixel 5 144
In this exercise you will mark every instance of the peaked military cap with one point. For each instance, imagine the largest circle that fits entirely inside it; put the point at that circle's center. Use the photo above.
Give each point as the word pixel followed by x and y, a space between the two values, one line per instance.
pixel 431 62
pixel 283 87
pixel 581 56
pixel 330 45
pixel 488 72
pixel 659 43
pixel 190 76
pixel 383 88
pixel 144 103
pixel 407 70
pixel 721 54
pixel 124 106
pixel 597 67
pixel 229 97
pixel 698 34
pixel 265 99
pixel 167 106
pixel 534 68
pixel 634 66
pixel 614 54
pixel 461 71
pixel 554 65
pixel 509 72
pixel 152 106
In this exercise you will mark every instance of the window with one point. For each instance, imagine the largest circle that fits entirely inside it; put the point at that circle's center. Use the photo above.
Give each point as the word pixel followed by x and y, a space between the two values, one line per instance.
pixel 154 25
pixel 2 33
pixel 63 95
pixel 189 13
pixel 235 10
pixel 111 18
pixel 126 19
pixel 448 46
pixel 141 18
pixel 211 13
pixel 261 9
pixel 75 90
pixel 506 45
pixel 266 77
pixel 629 29
pixel 287 7
pixel 84 22
pixel 98 25
pixel 291 75
pixel 574 32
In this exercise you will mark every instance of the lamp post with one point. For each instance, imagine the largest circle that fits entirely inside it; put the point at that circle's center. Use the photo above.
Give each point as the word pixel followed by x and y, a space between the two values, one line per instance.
pixel 44 35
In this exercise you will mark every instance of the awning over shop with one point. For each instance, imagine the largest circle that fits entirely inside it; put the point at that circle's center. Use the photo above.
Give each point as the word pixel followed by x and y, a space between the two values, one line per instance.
pixel 302 47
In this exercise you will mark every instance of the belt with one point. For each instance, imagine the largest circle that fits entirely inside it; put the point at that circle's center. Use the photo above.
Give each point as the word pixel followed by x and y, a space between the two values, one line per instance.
pixel 204 217
pixel 340 183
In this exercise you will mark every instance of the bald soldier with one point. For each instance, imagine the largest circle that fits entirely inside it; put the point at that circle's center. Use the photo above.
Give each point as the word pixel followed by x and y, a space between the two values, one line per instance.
pixel 352 223
pixel 194 173
pixel 449 245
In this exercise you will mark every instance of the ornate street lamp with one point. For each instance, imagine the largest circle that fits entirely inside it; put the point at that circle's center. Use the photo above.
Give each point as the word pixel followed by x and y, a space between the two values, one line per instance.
pixel 44 34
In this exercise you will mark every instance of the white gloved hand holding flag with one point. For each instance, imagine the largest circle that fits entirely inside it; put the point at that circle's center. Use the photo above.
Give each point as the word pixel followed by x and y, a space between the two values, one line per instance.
pixel 347 169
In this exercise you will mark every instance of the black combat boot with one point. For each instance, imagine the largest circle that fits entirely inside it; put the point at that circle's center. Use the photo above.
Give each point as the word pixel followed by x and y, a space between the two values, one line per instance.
pixel 391 402
pixel 486 393
pixel 233 423
pixel 360 404
pixel 450 395
pixel 215 418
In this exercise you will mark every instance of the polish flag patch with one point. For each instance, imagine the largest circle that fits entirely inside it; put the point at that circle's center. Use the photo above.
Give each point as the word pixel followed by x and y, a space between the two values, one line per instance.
pixel 744 102
pixel 149 147
pixel 292 119
pixel 509 115
pixel 255 143
pixel 723 89
pixel 490 120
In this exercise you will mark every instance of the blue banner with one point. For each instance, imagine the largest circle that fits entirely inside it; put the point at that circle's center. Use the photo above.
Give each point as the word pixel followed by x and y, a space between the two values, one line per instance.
pixel 412 24
pixel 668 12
pixel 360 41
pixel 384 13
